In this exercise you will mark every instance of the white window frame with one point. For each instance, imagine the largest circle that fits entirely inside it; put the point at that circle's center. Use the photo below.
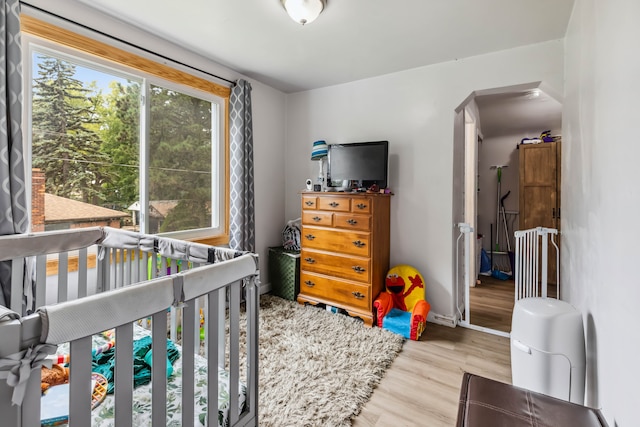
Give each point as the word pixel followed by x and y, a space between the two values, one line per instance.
pixel 218 232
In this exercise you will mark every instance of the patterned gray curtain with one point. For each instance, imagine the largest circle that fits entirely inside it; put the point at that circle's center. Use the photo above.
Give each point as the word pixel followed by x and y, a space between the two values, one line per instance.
pixel 242 225
pixel 14 217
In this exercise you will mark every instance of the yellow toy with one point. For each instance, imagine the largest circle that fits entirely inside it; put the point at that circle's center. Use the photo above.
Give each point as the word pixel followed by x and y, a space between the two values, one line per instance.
pixel 402 308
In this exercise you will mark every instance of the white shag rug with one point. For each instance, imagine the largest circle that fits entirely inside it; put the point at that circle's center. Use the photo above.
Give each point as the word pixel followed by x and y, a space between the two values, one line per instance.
pixel 317 368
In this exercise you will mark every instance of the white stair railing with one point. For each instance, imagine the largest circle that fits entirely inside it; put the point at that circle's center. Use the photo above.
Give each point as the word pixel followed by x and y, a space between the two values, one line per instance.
pixel 532 254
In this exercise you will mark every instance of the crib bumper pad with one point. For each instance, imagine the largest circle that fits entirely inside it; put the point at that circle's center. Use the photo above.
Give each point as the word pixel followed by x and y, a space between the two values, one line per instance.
pixel 167 247
pixel 104 311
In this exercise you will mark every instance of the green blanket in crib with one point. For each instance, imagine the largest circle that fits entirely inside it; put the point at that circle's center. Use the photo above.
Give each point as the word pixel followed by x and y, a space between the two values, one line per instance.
pixel 104 363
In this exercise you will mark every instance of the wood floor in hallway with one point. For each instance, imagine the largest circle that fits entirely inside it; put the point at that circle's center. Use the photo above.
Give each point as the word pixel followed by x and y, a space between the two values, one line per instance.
pixel 492 302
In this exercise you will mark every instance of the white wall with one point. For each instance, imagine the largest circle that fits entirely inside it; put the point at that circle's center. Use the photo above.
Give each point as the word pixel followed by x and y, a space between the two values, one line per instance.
pixel 269 168
pixel 414 110
pixel 600 197
pixel 268 112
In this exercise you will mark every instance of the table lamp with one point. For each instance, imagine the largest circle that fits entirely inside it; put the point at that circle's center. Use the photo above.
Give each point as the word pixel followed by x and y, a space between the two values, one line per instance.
pixel 318 152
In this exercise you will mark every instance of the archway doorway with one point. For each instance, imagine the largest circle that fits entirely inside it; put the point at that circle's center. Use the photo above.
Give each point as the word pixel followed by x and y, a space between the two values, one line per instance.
pixel 503 117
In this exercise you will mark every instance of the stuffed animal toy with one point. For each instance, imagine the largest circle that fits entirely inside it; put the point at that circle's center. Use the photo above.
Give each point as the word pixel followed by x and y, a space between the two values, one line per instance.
pixel 401 308
pixel 54 376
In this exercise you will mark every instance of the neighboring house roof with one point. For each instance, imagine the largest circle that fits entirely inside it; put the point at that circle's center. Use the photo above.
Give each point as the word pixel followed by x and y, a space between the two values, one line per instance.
pixel 57 209
pixel 157 208
pixel 163 206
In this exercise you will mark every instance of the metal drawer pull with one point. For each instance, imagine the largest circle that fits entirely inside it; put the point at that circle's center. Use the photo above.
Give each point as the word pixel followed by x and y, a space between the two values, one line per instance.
pixel 317 218
pixel 358 295
pixel 310 236
pixel 352 221
pixel 308 203
pixel 358 269
pixel 334 204
pixel 358 243
pixel 310 260
pixel 309 283
pixel 361 206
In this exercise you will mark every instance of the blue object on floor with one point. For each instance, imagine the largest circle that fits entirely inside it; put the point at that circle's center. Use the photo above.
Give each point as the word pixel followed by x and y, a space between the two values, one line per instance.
pixel 499 275
pixel 399 322
pixel 485 262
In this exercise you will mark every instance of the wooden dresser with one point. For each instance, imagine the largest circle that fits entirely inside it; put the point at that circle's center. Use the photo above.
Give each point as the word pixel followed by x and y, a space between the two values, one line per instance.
pixel 345 250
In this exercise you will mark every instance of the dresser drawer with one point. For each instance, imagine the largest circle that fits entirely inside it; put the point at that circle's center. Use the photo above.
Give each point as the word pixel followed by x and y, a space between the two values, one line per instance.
pixel 336 204
pixel 317 218
pixel 345 267
pixel 360 205
pixel 335 290
pixel 335 240
pixel 352 221
pixel 309 202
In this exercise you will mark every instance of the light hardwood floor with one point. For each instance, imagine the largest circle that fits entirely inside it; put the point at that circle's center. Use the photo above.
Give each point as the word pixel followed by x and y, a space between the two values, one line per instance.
pixel 422 386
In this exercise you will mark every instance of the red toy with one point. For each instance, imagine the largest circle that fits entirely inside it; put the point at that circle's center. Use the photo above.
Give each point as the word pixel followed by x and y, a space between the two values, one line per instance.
pixel 403 309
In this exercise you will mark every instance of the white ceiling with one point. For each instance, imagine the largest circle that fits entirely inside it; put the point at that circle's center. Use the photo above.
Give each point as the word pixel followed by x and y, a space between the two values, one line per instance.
pixel 351 40
pixel 518 111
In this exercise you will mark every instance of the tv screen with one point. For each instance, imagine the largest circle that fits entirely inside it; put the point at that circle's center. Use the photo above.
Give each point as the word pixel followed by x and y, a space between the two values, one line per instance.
pixel 358 165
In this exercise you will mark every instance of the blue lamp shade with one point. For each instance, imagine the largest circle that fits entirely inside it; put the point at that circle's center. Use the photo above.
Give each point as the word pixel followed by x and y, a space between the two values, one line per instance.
pixel 319 150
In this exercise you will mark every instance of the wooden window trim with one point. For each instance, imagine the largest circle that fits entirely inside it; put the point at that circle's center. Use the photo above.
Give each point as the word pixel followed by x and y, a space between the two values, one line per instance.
pixel 47 31
pixel 110 53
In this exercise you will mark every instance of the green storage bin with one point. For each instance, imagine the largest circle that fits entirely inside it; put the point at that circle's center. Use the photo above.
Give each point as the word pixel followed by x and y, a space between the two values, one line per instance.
pixel 284 272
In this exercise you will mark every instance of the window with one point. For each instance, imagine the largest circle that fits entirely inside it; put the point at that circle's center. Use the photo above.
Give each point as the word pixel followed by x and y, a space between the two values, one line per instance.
pixel 119 140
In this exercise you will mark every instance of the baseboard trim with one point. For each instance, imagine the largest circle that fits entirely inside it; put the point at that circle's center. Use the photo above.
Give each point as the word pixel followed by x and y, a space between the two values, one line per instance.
pixel 441 319
pixel 265 288
pixel 485 330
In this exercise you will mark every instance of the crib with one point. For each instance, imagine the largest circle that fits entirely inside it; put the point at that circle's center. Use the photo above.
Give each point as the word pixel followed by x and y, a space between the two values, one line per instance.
pixel 130 285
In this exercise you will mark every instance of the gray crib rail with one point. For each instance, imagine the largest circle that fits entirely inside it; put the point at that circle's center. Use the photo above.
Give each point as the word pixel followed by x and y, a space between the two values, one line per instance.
pixel 124 259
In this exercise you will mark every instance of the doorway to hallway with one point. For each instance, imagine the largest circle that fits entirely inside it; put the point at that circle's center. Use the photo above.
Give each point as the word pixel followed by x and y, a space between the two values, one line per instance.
pixel 503 117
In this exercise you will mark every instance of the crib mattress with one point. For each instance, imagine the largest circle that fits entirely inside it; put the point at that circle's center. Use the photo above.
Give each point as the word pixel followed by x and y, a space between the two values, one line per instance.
pixel 103 415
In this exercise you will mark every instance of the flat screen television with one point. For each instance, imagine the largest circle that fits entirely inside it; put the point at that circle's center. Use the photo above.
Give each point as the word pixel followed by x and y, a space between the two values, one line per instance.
pixel 358 165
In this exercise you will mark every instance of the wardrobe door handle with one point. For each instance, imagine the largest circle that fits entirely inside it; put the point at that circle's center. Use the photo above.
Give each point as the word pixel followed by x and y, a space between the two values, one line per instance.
pixel 553 212
pixel 358 269
pixel 358 295
pixel 358 244
pixel 310 260
pixel 310 236
pixel 334 204
pixel 352 221
pixel 309 283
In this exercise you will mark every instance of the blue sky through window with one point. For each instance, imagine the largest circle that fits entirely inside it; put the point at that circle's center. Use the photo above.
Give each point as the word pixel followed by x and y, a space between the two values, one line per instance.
pixel 84 74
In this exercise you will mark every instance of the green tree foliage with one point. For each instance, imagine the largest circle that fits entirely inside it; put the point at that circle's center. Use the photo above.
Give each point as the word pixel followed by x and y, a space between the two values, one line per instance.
pixel 88 144
pixel 64 145
pixel 120 133
pixel 180 157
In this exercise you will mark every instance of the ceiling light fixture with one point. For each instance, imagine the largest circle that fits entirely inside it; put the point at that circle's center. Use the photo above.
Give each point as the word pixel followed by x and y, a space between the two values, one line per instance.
pixel 533 93
pixel 303 11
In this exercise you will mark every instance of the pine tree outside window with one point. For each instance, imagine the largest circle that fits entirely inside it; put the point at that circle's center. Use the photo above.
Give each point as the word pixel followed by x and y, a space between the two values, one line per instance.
pixel 116 145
